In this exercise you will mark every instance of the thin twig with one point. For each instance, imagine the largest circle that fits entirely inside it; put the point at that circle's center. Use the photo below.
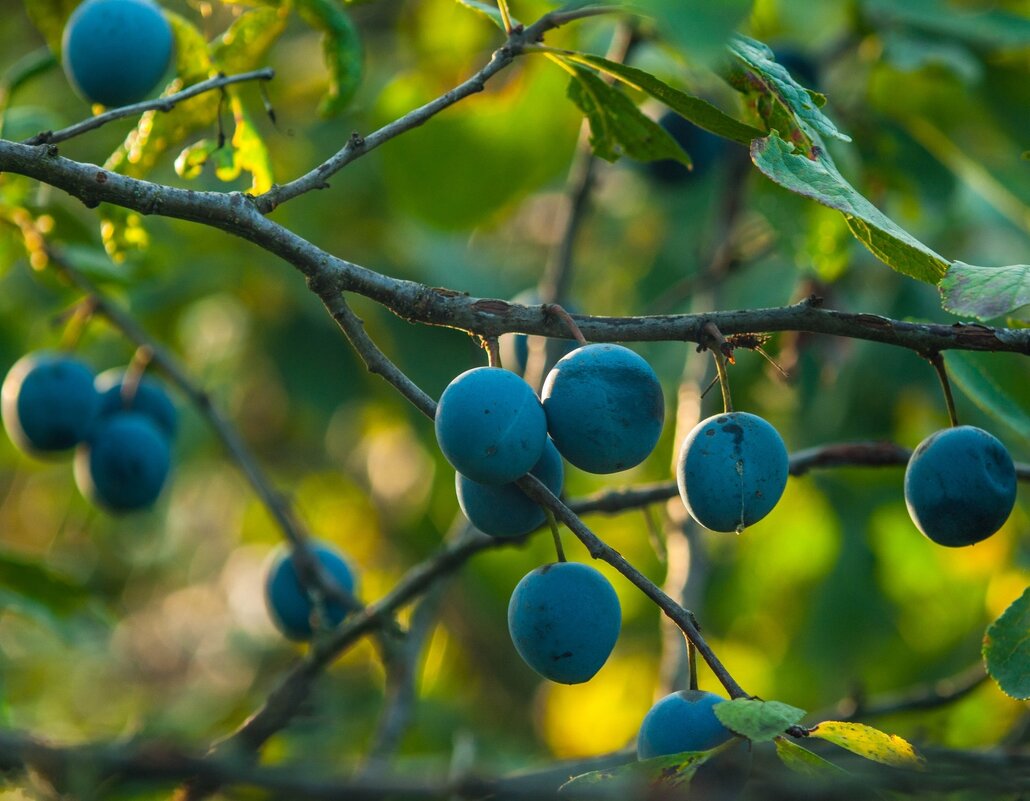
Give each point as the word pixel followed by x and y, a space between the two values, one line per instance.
pixel 166 103
pixel 923 696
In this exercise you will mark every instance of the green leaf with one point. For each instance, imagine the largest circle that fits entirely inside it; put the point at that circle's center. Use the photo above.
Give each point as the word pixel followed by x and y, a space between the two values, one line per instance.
pixel 665 772
pixel 617 126
pixel 488 10
pixel 981 389
pixel 698 28
pixel 985 292
pixel 801 760
pixel 988 28
pixel 759 721
pixel 819 180
pixel 780 97
pixel 49 17
pixel 190 162
pixel 870 743
pixel 1006 649
pixel 698 111
pixel 31 587
pixel 341 51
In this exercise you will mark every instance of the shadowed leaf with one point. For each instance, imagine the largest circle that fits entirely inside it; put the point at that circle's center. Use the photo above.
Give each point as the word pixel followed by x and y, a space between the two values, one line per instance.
pixel 985 292
pixel 759 721
pixel 1006 648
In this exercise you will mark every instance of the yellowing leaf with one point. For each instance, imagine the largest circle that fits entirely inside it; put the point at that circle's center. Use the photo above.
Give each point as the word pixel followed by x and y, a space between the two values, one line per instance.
pixel 873 744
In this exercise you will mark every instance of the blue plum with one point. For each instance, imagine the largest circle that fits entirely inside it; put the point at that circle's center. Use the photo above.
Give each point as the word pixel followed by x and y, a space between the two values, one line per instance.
pixel 49 403
pixel 681 721
pixel 604 408
pixel 124 465
pixel 115 51
pixel 732 470
pixel 289 605
pixel 149 398
pixel 490 425
pixel 960 486
pixel 564 619
pixel 504 510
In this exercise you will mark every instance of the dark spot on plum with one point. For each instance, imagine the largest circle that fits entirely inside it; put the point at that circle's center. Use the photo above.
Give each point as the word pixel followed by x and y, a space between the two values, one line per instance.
pixel 565 655
pixel 709 432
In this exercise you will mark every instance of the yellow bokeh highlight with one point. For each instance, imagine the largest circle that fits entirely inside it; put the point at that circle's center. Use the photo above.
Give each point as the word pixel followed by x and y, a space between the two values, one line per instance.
pixel 601 715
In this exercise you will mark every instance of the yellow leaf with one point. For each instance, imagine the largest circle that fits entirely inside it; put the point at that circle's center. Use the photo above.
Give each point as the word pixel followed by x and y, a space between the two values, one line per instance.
pixel 870 743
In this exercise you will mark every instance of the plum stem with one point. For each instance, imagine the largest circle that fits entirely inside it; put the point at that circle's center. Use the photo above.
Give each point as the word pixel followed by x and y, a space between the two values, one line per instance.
pixel 134 374
pixel 692 664
pixel 714 340
pixel 557 536
pixel 937 360
pixel 78 319
pixel 565 317
pixel 493 352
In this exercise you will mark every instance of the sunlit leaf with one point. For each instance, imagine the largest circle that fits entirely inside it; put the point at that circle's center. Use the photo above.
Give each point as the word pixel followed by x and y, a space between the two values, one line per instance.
pixel 819 180
pixel 985 292
pixel 250 154
pixel 698 111
pixel 801 760
pixel 190 162
pixel 870 743
pixel 668 772
pixel 341 50
pixel 759 721
pixel 980 388
pixel 1006 648
pixel 617 126
pixel 245 43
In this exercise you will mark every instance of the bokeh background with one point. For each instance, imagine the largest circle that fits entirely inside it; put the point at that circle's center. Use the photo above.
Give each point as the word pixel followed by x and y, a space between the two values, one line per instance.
pixel 153 624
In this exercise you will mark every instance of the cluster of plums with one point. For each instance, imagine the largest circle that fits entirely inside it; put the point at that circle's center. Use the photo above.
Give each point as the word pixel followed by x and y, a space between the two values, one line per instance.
pixel 115 51
pixel 121 430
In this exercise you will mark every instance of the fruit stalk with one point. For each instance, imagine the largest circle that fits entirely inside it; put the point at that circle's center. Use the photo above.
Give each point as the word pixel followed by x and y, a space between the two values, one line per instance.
pixel 937 360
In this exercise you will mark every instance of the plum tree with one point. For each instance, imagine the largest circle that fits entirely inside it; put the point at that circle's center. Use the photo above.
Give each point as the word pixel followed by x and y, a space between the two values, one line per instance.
pixel 490 425
pixel 147 397
pixel 960 486
pixel 288 602
pixel 732 470
pixel 681 721
pixel 504 510
pixel 49 402
pixel 115 51
pixel 124 463
pixel 564 619
pixel 604 408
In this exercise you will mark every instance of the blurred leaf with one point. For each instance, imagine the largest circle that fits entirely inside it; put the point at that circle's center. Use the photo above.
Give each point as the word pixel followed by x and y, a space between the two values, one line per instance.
pixel 49 17
pixel 249 153
pixel 488 10
pixel 94 263
pixel 21 122
pixel 23 70
pixel 698 111
pixel 985 292
pixel 192 60
pixel 988 396
pixel 801 760
pixel 1006 649
pixel 759 721
pixel 664 772
pixel 31 586
pixel 245 43
pixel 870 743
pixel 190 162
pixel 819 180
pixel 781 102
pixel 698 27
pixel 341 50
pixel 908 53
pixel 991 28
pixel 617 126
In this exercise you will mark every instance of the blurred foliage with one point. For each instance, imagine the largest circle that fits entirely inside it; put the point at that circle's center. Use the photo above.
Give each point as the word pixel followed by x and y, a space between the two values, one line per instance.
pixel 834 593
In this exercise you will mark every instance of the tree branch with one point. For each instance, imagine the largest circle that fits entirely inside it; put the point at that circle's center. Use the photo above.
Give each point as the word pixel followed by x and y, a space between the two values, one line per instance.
pixel 159 104
pixel 237 214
